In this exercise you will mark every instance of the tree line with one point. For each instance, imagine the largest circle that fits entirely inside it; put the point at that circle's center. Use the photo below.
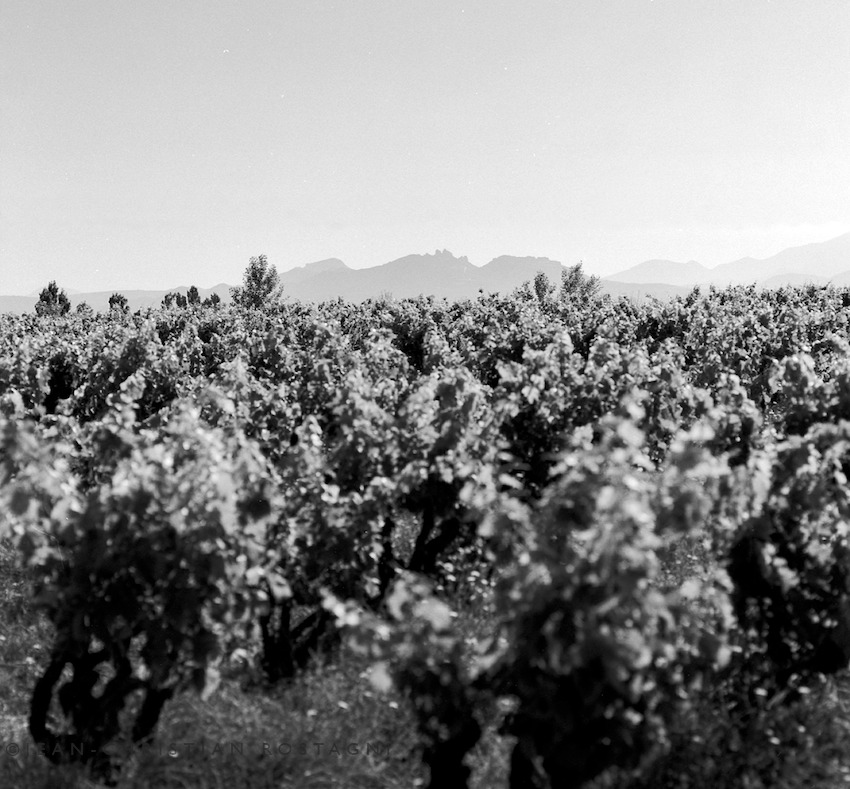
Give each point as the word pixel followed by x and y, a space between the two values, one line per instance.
pixel 260 288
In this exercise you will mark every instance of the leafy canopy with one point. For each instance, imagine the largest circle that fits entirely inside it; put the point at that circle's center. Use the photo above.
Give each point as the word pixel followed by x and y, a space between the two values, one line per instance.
pixel 52 301
pixel 260 285
pixel 118 302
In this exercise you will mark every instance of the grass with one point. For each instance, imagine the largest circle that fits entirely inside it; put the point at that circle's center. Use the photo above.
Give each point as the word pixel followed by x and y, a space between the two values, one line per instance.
pixel 790 746
pixel 331 728
pixel 319 733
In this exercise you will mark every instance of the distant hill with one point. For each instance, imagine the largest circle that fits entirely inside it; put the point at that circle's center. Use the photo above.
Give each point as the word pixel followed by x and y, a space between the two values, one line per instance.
pixel 303 273
pixel 823 260
pixel 441 274
pixel 17 304
pixel 812 263
pixel 643 290
pixel 142 299
pixel 99 300
pixel 503 274
pixel 669 272
pixel 841 280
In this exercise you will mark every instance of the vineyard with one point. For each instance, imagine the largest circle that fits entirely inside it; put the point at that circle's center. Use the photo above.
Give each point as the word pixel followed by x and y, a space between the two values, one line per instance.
pixel 573 541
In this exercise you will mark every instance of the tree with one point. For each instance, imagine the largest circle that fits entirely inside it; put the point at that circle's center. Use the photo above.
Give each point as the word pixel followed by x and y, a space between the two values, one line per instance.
pixel 575 283
pixel 52 301
pixel 542 287
pixel 84 308
pixel 213 300
pixel 260 285
pixel 192 295
pixel 174 300
pixel 118 303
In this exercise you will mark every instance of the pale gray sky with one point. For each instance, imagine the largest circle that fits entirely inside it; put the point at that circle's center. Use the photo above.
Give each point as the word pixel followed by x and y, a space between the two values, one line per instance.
pixel 149 145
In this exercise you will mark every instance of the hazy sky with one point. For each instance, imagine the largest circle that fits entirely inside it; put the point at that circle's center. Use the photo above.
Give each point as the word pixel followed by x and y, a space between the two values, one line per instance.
pixel 157 144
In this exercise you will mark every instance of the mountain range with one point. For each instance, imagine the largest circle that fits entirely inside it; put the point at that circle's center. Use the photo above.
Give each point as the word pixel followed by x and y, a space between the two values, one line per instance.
pixel 828 261
pixel 441 274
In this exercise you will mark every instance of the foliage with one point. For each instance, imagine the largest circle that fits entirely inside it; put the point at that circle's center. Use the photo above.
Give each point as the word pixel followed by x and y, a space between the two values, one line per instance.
pixel 191 298
pixel 791 561
pixel 118 303
pixel 647 500
pixel 150 576
pixel 52 301
pixel 261 286
pixel 598 654
pixel 175 299
pixel 577 286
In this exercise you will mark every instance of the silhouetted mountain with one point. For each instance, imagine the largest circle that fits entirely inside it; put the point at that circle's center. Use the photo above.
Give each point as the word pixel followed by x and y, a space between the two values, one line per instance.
pixel 17 304
pixel 666 271
pixel 503 274
pixel 444 275
pixel 643 290
pixel 441 274
pixel 302 273
pixel 825 259
pixel 841 280
pixel 816 263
